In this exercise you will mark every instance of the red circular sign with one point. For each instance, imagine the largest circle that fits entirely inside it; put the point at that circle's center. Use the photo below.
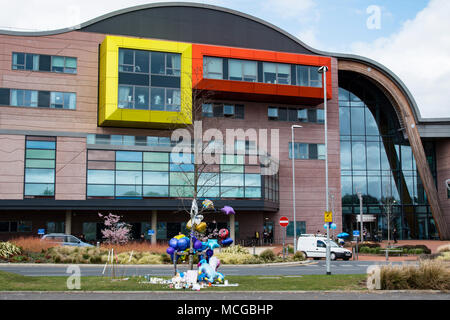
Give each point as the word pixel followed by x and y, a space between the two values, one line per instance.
pixel 284 221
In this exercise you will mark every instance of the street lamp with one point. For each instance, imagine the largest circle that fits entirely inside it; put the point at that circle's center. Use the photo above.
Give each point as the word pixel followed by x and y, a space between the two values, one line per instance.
pixel 293 183
pixel 324 70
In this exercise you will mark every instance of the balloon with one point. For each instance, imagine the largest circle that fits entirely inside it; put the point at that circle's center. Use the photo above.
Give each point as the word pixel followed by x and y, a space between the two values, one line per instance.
pixel 223 233
pixel 179 236
pixel 214 262
pixel 227 210
pixel 333 226
pixel 209 252
pixel 197 245
pixel 227 241
pixel 207 271
pixel 182 244
pixel 173 243
pixel 170 251
pixel 325 225
pixel 201 227
pixel 204 245
pixel 208 204
pixel 212 244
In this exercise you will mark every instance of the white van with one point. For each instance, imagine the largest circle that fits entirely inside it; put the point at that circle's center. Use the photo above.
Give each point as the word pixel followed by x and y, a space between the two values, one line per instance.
pixel 315 247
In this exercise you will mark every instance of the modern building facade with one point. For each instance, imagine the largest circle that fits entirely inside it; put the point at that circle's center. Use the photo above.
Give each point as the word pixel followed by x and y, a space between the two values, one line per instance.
pixel 87 115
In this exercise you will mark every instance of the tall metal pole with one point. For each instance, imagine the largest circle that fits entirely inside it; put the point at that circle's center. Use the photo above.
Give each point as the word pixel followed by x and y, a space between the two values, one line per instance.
pixel 361 216
pixel 324 70
pixel 293 185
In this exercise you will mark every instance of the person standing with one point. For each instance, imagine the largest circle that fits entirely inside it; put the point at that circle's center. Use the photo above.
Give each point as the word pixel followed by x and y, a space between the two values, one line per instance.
pixel 394 235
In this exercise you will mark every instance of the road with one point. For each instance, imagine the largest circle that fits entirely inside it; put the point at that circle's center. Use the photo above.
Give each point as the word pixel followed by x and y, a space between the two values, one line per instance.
pixel 313 268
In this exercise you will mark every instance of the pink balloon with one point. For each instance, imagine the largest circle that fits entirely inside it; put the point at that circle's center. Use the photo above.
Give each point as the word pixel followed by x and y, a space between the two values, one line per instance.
pixel 227 210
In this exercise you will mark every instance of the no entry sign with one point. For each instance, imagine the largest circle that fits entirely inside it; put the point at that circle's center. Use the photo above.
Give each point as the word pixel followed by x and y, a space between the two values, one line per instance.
pixel 284 221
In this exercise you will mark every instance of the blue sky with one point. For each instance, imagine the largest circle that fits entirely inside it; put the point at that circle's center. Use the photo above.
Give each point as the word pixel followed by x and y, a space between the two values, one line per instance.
pixel 412 39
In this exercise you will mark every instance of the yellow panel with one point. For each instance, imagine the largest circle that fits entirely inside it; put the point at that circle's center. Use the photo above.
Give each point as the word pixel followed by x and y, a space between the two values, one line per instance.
pixel 111 115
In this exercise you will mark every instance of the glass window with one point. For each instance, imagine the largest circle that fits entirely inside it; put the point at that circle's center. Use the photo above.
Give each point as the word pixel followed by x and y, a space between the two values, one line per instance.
pixel 344 120
pixel 156 157
pixel 173 102
pixel 128 191
pixel 284 74
pixel 156 191
pixel 125 97
pixel 128 156
pixel 321 151
pixel 70 65
pixel 320 116
pixel 173 64
pixel 212 68
pixel 30 163
pixel 141 61
pixel 126 60
pixel 358 156
pixel 129 177
pixel 57 64
pixel 302 115
pixel 181 178
pixel 373 156
pixel 24 226
pixel 62 100
pixel 158 98
pixel 39 175
pixel 158 63
pixel 18 61
pixel 141 98
pixel 346 155
pixel 97 190
pixel 272 113
pixel 35 189
pixel 232 179
pixel 181 191
pixel 24 98
pixel 252 180
pixel 252 192
pixel 270 72
pixel 207 110
pixel 156 178
pixel 235 71
pixel 40 154
pixel 357 122
pixel 100 177
pixel 242 70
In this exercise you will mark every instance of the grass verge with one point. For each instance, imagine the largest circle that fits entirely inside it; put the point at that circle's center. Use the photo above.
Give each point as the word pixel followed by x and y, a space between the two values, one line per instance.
pixel 14 282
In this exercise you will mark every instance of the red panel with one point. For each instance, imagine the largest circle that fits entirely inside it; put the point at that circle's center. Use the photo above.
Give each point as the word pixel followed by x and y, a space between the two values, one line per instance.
pixel 255 89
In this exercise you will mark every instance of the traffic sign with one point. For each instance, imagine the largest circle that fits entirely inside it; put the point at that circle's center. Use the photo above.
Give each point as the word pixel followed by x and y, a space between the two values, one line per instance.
pixel 284 221
pixel 150 232
pixel 356 233
pixel 328 216
pixel 41 231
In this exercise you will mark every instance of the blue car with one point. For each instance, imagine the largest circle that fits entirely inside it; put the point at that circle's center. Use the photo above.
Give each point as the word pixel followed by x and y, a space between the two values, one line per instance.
pixel 65 240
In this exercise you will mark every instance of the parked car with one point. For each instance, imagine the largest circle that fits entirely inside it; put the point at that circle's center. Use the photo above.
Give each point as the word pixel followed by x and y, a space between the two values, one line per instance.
pixel 65 240
pixel 315 247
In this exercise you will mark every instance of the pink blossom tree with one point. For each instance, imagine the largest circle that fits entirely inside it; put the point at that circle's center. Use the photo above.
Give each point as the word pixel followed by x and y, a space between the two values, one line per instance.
pixel 115 232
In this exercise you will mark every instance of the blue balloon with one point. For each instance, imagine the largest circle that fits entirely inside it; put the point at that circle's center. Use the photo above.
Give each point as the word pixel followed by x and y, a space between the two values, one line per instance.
pixel 204 245
pixel 333 226
pixel 227 241
pixel 173 243
pixel 212 244
pixel 182 244
pixel 170 251
pixel 197 245
pixel 209 253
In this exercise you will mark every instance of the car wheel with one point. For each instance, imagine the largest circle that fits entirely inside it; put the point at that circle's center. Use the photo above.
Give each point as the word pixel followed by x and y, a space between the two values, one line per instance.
pixel 304 253
pixel 333 256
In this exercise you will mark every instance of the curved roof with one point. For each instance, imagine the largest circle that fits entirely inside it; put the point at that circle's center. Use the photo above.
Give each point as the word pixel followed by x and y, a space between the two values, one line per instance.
pixel 259 34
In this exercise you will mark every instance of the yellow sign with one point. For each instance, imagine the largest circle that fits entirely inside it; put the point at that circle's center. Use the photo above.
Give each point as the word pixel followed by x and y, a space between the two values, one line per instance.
pixel 328 217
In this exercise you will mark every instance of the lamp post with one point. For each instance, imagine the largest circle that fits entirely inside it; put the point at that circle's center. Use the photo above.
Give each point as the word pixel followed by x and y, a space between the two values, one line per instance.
pixel 324 70
pixel 293 183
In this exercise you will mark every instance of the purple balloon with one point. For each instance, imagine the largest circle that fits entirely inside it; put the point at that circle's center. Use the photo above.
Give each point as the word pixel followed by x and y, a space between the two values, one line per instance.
pixel 173 243
pixel 198 245
pixel 170 251
pixel 227 210
pixel 209 252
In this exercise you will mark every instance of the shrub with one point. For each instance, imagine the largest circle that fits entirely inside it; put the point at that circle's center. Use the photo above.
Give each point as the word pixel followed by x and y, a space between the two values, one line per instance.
pixel 425 249
pixel 370 244
pixel 444 256
pixel 235 249
pixel 443 248
pixel 8 249
pixel 364 249
pixel 299 256
pixel 430 274
pixel 267 255
pixel 33 244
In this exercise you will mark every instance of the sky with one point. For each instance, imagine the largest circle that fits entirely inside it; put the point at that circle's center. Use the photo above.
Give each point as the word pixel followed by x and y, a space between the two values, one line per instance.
pixel 410 37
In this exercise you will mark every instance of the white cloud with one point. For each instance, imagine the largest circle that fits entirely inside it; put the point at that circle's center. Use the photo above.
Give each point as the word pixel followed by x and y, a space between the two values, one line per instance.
pixel 420 55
